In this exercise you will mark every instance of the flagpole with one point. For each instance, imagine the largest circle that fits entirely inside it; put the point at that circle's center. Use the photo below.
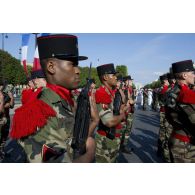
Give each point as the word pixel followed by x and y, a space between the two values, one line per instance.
pixel 35 39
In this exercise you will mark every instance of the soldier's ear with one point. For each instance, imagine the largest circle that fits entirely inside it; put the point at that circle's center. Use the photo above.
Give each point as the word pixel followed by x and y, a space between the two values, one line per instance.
pixel 184 75
pixel 51 66
pixel 105 77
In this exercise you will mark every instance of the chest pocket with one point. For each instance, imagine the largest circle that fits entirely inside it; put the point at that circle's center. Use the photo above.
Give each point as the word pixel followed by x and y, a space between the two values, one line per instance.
pixel 65 118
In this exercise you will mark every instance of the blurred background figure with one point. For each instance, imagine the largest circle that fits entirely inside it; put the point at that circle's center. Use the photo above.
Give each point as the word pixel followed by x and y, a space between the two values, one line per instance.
pixel 150 97
pixel 145 98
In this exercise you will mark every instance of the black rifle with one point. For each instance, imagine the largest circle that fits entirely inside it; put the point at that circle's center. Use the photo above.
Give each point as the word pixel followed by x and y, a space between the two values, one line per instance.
pixel 116 111
pixel 126 95
pixel 82 120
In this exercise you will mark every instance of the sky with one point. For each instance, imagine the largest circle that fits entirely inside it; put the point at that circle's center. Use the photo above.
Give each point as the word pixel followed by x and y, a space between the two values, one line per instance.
pixel 146 55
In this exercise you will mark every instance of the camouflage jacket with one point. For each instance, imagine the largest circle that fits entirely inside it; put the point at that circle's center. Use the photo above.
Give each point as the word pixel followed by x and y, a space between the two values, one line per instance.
pixel 180 115
pixel 52 143
pixel 104 102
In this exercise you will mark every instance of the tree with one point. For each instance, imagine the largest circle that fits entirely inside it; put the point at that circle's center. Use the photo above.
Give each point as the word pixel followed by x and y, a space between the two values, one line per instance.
pixel 153 85
pixel 84 75
pixel 11 69
pixel 122 69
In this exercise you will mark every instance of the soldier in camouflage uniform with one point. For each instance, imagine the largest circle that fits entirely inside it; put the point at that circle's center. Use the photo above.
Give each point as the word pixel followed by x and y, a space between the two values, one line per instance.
pixel 107 144
pixel 161 98
pixel 168 127
pixel 129 115
pixel 44 126
pixel 180 110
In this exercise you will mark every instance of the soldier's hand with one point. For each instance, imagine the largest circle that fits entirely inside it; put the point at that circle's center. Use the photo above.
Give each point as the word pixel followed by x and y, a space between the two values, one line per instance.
pixel 90 147
pixel 130 101
pixel 124 108
pixel 94 111
pixel 94 114
pixel 89 154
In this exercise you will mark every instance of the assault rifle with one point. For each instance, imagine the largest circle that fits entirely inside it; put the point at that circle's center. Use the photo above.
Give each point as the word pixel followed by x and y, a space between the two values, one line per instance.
pixel 82 120
pixel 116 111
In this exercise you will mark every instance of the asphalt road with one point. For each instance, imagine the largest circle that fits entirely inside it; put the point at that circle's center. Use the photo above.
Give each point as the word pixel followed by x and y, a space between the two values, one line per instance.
pixel 143 138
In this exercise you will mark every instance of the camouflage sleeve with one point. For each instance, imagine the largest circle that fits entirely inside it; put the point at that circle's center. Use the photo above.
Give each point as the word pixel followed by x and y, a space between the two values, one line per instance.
pixel 48 145
pixel 52 142
pixel 105 112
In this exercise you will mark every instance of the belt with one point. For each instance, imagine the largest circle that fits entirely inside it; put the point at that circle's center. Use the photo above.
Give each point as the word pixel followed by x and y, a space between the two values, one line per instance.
pixel 182 138
pixel 103 133
pixel 162 109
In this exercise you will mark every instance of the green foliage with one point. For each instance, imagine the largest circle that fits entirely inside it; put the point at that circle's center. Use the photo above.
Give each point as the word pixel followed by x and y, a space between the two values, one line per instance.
pixel 29 69
pixel 11 69
pixel 84 75
pixel 122 69
pixel 153 85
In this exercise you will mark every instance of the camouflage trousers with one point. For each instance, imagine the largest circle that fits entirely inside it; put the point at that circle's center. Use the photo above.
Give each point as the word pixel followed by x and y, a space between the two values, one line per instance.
pixel 128 129
pixel 162 136
pixel 182 152
pixel 165 144
pixel 107 150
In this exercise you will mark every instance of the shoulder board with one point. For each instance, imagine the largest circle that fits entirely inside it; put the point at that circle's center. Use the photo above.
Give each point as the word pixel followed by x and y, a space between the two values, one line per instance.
pixel 102 97
pixel 30 116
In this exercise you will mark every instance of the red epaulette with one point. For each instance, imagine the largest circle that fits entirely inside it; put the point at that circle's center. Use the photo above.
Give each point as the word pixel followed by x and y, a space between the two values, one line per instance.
pixel 164 89
pixel 30 116
pixel 26 94
pixel 102 97
pixel 186 95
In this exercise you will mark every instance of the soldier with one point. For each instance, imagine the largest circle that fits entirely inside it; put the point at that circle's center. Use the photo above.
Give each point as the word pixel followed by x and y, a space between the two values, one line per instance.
pixel 36 80
pixel 180 110
pixel 129 118
pixel 44 126
pixel 107 142
pixel 168 128
pixel 161 98
pixel 171 80
pixel 122 127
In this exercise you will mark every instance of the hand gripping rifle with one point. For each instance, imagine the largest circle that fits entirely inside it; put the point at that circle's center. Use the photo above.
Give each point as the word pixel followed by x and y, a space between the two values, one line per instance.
pixel 82 120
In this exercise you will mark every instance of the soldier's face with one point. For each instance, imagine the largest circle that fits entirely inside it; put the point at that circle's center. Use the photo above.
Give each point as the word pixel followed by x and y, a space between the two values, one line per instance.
pixel 190 76
pixel 127 82
pixel 118 84
pixel 31 84
pixel 40 82
pixel 130 82
pixel 67 74
pixel 112 80
pixel 166 82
